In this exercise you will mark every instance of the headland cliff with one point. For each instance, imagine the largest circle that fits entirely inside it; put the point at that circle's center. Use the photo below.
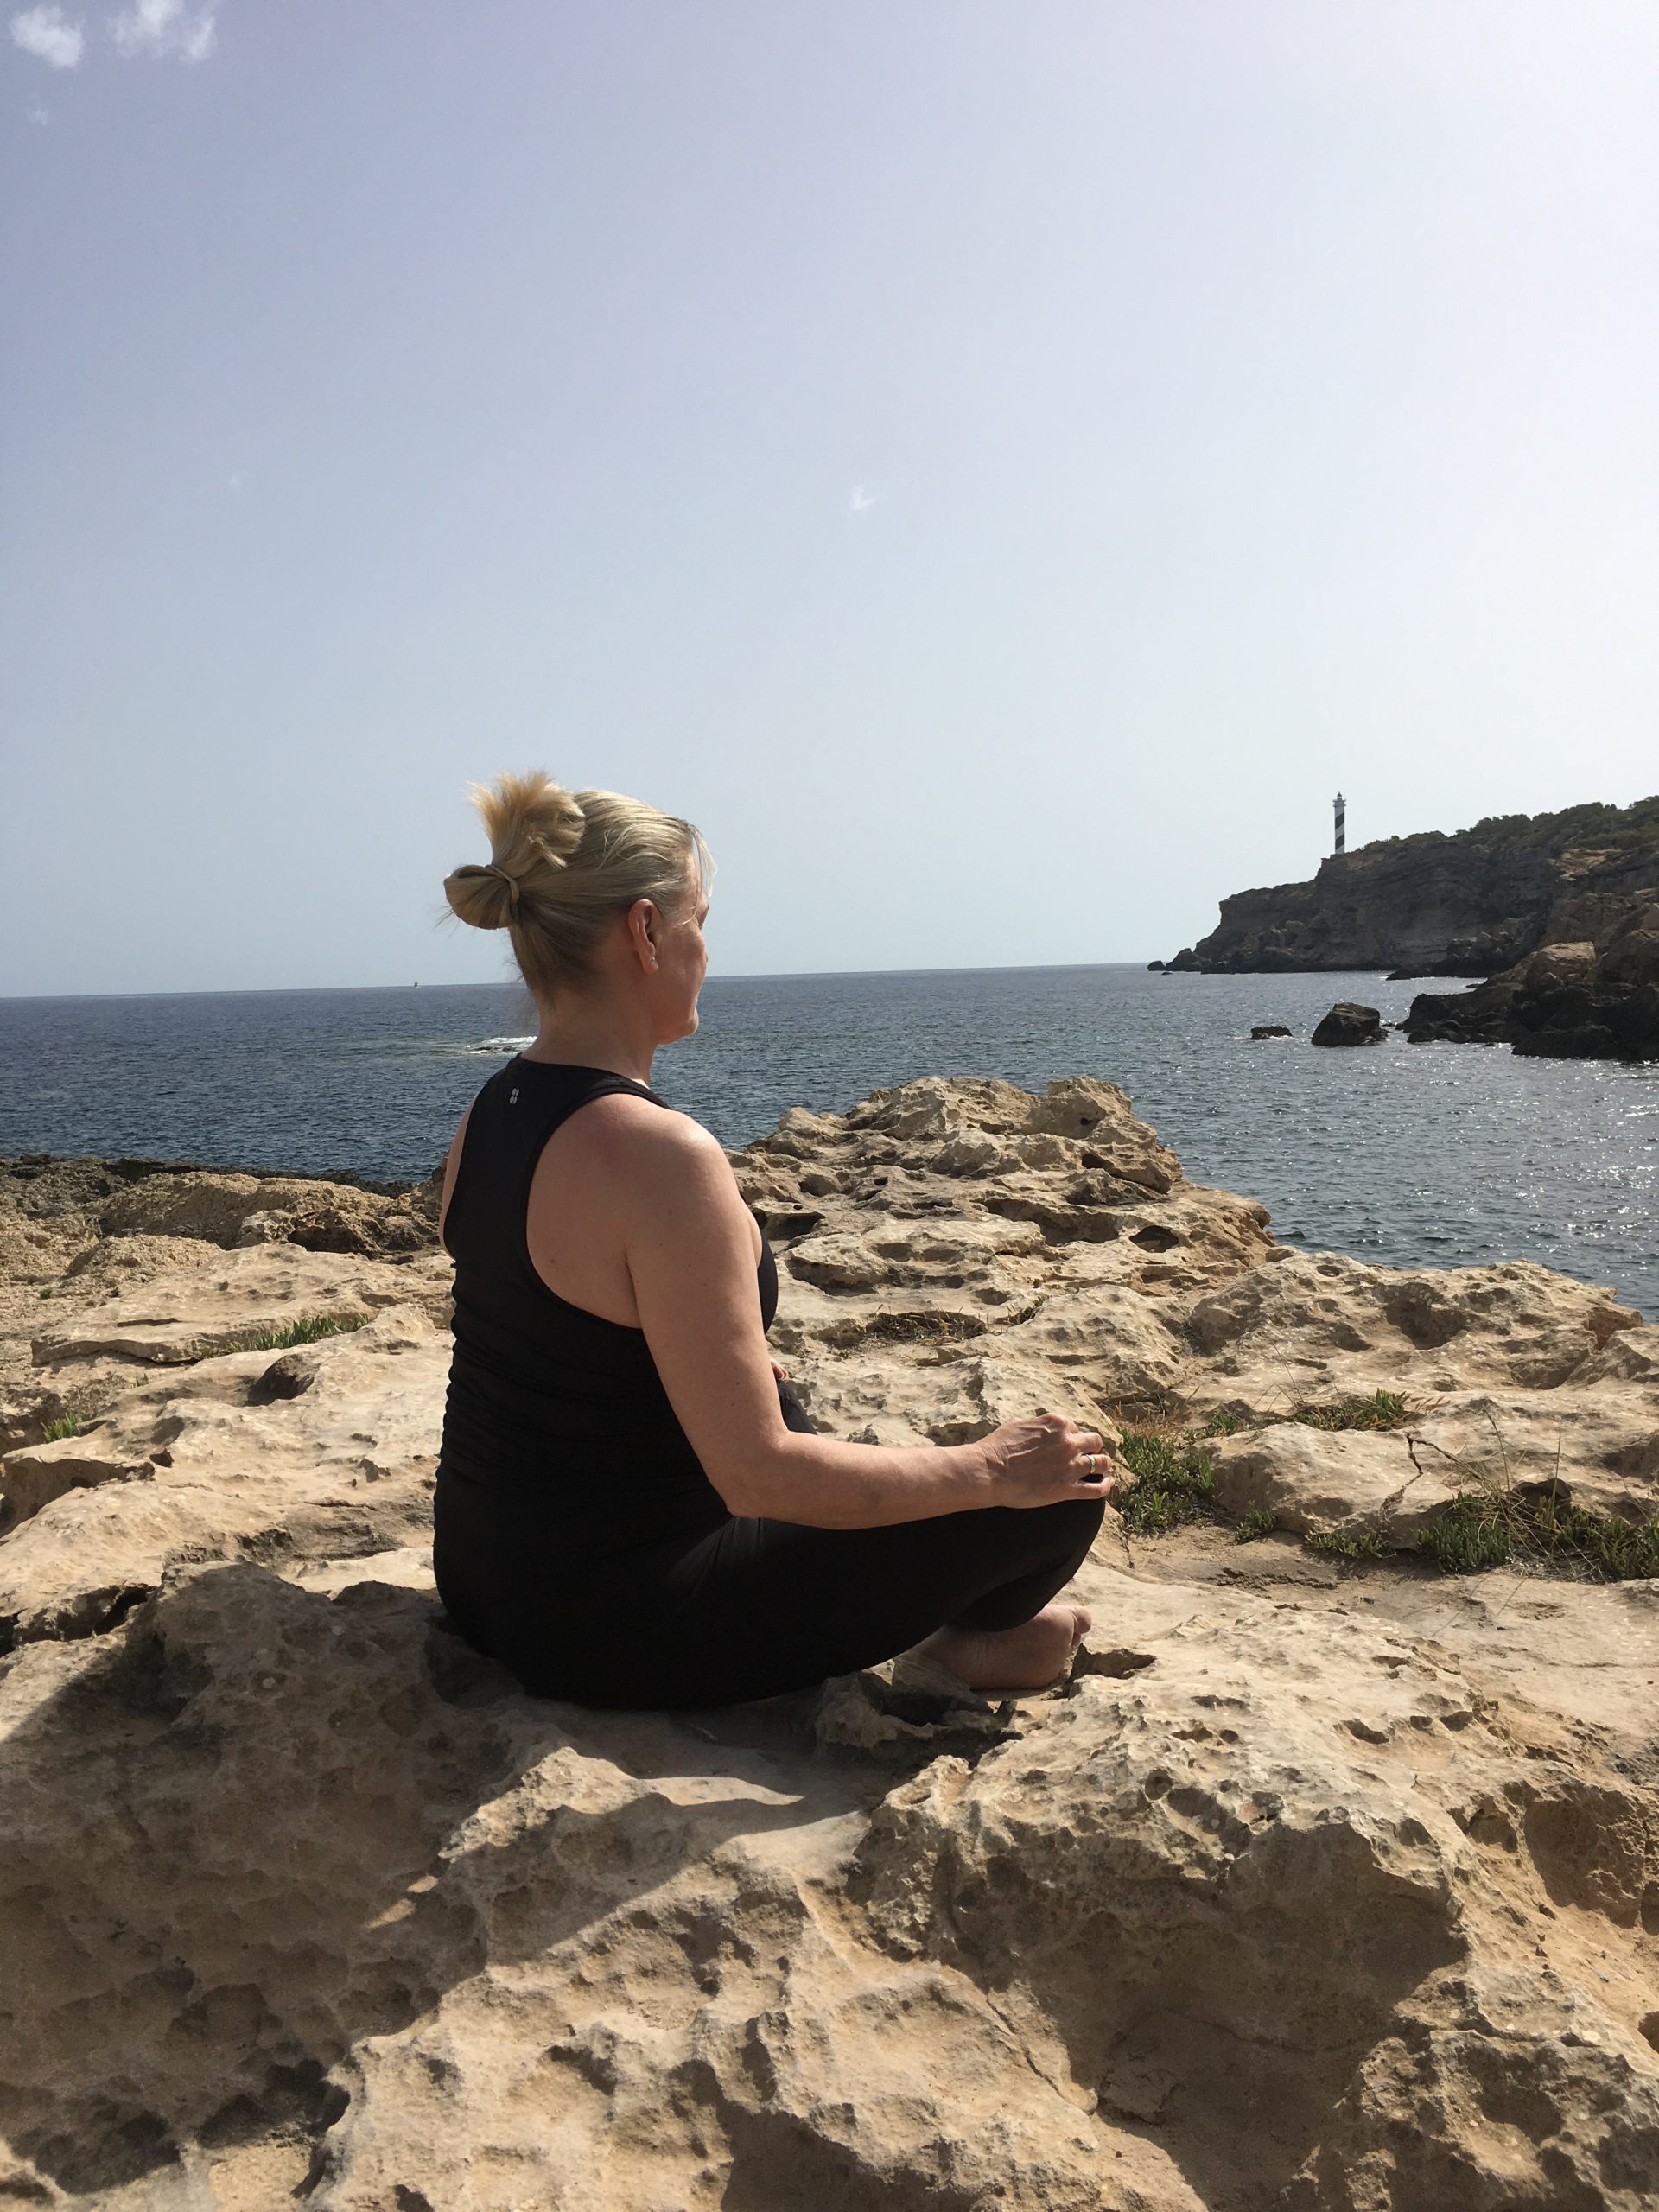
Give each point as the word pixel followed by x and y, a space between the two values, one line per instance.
pixel 1470 904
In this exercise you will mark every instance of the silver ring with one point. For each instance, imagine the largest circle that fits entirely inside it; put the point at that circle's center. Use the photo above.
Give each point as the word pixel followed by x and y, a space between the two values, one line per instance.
pixel 1090 1461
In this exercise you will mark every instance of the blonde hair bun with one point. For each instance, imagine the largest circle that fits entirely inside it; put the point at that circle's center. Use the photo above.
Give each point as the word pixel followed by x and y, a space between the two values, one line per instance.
pixel 561 864
pixel 533 824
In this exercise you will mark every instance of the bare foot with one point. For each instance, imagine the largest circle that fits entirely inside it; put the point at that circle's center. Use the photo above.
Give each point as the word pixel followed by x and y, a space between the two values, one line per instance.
pixel 1028 1657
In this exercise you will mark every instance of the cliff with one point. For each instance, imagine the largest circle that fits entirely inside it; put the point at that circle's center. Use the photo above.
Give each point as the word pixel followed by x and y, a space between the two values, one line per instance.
pixel 1591 991
pixel 1331 1880
pixel 1433 904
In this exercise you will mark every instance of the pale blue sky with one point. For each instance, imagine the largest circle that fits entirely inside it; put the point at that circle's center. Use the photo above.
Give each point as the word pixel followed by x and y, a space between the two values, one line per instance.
pixel 999 468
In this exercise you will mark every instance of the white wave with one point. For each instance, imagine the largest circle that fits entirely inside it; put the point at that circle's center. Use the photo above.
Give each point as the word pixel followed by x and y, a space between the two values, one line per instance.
pixel 499 1045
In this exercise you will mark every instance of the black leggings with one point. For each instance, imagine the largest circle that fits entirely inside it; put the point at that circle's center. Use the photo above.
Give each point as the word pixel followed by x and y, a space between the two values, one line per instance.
pixel 760 1606
pixel 742 1608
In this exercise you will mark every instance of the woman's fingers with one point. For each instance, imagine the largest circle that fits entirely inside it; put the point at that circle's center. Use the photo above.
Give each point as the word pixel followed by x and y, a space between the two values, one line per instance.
pixel 1094 1461
pixel 1051 1456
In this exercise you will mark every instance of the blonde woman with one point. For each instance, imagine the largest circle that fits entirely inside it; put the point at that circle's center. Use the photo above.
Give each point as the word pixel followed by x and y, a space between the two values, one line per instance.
pixel 631 1508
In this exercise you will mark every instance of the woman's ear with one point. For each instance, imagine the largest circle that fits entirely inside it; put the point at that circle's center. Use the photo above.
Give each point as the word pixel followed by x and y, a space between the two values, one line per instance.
pixel 644 923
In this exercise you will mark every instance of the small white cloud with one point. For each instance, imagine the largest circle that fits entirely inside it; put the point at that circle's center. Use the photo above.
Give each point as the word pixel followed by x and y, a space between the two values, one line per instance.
pixel 49 37
pixel 163 27
pixel 235 480
pixel 859 501
pixel 39 113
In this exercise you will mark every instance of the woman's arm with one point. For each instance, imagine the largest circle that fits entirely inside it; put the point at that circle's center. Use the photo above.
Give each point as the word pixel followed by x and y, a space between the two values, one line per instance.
pixel 689 1246
pixel 451 1163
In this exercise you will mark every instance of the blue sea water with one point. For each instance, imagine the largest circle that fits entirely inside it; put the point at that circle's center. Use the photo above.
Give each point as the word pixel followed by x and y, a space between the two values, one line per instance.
pixel 1415 1155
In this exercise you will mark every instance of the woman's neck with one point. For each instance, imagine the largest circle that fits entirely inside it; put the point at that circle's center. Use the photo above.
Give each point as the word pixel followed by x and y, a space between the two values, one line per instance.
pixel 587 1035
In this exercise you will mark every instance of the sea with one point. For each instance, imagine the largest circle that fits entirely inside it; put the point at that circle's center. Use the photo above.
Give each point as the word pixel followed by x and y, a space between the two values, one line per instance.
pixel 1425 1155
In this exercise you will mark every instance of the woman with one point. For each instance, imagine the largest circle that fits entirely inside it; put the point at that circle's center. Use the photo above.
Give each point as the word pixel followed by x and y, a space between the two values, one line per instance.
pixel 632 1507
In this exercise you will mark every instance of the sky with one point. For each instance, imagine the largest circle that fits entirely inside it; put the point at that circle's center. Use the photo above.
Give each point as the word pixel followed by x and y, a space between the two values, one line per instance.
pixel 998 468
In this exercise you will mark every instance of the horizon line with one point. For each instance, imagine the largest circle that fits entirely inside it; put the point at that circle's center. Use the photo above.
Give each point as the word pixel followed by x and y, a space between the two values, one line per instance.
pixel 748 975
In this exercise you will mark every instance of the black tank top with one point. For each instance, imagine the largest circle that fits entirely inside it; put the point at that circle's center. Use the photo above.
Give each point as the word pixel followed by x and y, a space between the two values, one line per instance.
pixel 545 1396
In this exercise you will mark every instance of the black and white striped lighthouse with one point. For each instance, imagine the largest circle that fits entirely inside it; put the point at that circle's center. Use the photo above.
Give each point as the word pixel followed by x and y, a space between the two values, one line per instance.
pixel 1341 824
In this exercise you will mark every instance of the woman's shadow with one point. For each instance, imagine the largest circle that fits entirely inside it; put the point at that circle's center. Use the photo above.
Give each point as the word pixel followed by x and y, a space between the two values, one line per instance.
pixel 258 1825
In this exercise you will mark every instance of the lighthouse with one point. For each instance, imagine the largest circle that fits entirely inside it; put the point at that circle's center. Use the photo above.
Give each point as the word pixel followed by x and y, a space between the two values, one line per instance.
pixel 1341 824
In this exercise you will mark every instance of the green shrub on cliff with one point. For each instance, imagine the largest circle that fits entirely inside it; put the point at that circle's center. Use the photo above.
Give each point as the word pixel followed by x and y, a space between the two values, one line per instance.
pixel 1383 1409
pixel 1173 1480
pixel 1539 1529
pixel 1612 829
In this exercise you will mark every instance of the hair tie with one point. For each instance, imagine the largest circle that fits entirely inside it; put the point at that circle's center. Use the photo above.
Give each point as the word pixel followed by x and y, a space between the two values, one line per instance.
pixel 512 882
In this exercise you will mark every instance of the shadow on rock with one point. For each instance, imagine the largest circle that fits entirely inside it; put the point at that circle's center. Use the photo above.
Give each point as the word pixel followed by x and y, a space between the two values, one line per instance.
pixel 265 1826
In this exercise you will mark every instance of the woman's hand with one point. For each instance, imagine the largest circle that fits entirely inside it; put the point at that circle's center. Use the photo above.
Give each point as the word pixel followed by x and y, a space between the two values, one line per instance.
pixel 1046 1459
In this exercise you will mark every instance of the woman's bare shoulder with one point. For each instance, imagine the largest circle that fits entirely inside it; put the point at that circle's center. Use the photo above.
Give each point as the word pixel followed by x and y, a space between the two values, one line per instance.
pixel 632 1138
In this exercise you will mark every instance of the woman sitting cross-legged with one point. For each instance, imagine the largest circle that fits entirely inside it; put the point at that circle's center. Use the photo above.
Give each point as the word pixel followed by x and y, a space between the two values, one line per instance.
pixel 633 1508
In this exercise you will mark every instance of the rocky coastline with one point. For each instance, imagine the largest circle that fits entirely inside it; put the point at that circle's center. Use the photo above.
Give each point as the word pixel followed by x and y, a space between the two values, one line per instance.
pixel 1591 991
pixel 1330 1880
pixel 1559 913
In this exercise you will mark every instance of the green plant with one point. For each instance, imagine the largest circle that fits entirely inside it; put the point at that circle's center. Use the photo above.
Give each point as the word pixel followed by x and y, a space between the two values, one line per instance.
pixel 1172 1481
pixel 1483 1530
pixel 1496 1521
pixel 1347 1543
pixel 1222 1423
pixel 65 1424
pixel 1383 1409
pixel 306 1330
pixel 1260 1521
pixel 1617 829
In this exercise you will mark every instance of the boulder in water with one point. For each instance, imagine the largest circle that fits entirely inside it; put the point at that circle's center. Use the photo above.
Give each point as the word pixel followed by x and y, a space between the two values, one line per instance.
pixel 1348 1023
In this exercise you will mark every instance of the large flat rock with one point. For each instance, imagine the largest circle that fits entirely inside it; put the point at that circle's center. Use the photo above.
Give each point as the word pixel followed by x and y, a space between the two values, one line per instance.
pixel 1320 1885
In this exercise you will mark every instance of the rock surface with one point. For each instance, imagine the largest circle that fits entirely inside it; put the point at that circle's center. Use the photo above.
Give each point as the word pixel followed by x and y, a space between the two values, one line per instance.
pixel 1348 1023
pixel 1468 904
pixel 1318 1887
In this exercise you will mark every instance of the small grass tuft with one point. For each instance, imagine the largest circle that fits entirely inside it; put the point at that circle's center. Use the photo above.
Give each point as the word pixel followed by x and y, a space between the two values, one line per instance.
pixel 1260 1521
pixel 307 1331
pixel 65 1424
pixel 1383 1409
pixel 1481 1531
pixel 1347 1543
pixel 1173 1481
pixel 1495 1520
pixel 1222 1423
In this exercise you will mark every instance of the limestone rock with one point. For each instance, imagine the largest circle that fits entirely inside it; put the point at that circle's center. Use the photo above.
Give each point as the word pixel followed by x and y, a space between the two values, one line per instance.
pixel 32 1479
pixel 174 1320
pixel 321 1454
pixel 229 1209
pixel 1326 1484
pixel 1313 1890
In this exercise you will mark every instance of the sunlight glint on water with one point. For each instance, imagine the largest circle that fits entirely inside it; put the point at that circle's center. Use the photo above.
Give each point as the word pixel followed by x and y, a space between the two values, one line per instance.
pixel 1437 1155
